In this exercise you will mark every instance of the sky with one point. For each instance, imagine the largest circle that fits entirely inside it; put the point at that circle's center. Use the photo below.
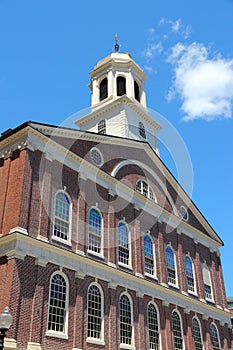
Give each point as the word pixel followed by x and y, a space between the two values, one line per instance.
pixel 47 49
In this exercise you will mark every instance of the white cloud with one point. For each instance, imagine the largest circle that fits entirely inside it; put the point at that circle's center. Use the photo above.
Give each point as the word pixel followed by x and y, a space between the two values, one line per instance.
pixel 176 25
pixel 205 85
pixel 152 48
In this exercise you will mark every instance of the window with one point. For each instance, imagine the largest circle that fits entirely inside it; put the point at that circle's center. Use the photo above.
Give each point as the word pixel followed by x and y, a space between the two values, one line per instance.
pixel 62 217
pixel 141 129
pixel 184 213
pixel 102 127
pixel 144 188
pixel 57 317
pixel 126 321
pixel 177 331
pixel 136 91
pixel 153 326
pixel 95 231
pixel 96 156
pixel 95 312
pixel 121 86
pixel 214 337
pixel 196 331
pixel 148 255
pixel 189 274
pixel 171 269
pixel 103 89
pixel 123 243
pixel 207 282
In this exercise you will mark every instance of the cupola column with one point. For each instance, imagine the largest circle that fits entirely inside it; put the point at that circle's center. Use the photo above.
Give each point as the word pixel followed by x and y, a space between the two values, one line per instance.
pixel 129 84
pixel 110 83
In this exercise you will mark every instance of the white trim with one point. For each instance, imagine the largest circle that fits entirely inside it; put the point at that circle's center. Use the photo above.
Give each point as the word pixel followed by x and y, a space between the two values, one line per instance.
pixel 176 285
pixel 154 275
pixel 132 319
pixel 129 265
pixel 158 319
pixel 200 328
pixel 181 326
pixel 68 240
pixel 194 276
pixel 53 333
pixel 216 327
pixel 100 255
pixel 100 340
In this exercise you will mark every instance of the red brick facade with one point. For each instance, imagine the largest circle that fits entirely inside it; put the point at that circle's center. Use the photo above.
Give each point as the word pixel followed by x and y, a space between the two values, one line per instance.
pixel 30 253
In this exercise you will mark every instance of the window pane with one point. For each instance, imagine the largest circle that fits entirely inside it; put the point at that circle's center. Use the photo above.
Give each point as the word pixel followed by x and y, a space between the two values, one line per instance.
pixel 177 332
pixel 189 274
pixel 125 320
pixel 148 255
pixel 57 304
pixel 170 261
pixel 123 243
pixel 62 216
pixel 94 312
pixel 196 335
pixel 214 337
pixel 95 231
pixel 153 327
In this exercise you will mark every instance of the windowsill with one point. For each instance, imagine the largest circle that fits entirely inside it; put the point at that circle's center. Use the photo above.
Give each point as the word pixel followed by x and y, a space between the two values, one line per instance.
pixel 126 346
pixel 129 267
pixel 56 335
pixel 95 341
pixel 98 255
pixel 151 276
pixel 192 293
pixel 173 285
pixel 210 300
pixel 60 240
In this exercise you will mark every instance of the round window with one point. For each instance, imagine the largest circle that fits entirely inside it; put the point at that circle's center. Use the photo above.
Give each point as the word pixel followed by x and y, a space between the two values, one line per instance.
pixel 184 213
pixel 96 156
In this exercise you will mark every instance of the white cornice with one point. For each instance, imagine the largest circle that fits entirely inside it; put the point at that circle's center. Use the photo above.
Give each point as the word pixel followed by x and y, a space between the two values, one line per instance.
pixel 16 245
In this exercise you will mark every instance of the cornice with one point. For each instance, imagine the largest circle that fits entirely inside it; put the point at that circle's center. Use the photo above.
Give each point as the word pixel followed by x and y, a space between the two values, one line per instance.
pixel 20 245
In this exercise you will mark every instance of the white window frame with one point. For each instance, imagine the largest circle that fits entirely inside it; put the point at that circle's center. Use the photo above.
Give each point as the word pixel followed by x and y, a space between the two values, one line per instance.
pixel 92 340
pixel 95 149
pixel 176 274
pixel 219 342
pixel 154 275
pixel 206 268
pixel 158 320
pixel 181 327
pixel 53 333
pixel 194 276
pixel 129 265
pixel 200 328
pixel 149 188
pixel 124 345
pixel 92 252
pixel 54 237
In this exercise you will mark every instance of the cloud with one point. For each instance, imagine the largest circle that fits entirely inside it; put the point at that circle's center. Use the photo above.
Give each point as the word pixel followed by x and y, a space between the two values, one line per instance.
pixel 152 48
pixel 204 84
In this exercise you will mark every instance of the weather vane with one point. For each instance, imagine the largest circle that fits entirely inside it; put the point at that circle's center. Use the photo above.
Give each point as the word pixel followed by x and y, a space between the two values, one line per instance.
pixel 116 46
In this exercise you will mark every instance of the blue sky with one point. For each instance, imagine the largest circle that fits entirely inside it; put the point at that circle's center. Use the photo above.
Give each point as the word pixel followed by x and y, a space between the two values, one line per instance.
pixel 47 49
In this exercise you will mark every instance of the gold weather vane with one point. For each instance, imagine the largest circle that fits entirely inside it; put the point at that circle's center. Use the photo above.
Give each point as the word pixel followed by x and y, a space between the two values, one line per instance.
pixel 116 46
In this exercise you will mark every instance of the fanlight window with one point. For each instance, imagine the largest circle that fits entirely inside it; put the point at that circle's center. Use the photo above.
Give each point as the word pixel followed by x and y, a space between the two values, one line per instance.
pixel 153 327
pixel 144 188
pixel 95 314
pixel 196 331
pixel 171 268
pixel 123 243
pixel 214 337
pixel 136 91
pixel 121 86
pixel 103 89
pixel 102 127
pixel 141 129
pixel 126 321
pixel 177 331
pixel 95 231
pixel 189 274
pixel 57 316
pixel 62 216
pixel 148 255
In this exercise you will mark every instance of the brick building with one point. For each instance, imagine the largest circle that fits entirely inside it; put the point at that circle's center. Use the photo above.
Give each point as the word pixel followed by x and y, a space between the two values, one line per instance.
pixel 100 247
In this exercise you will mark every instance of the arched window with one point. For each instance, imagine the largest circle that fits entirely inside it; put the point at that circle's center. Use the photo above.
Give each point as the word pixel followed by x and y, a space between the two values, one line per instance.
pixel 102 127
pixel 189 274
pixel 214 337
pixel 103 89
pixel 62 216
pixel 171 267
pixel 148 255
pixel 197 337
pixel 58 304
pixel 95 231
pixel 145 189
pixel 121 86
pixel 136 91
pixel 177 331
pixel 153 326
pixel 141 130
pixel 126 320
pixel 207 282
pixel 123 244
pixel 94 312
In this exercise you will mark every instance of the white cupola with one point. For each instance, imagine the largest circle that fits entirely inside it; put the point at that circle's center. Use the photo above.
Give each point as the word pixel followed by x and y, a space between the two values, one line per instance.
pixel 118 105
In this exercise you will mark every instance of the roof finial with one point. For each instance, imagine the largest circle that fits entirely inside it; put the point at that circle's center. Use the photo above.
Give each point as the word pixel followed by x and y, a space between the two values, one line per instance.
pixel 116 46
